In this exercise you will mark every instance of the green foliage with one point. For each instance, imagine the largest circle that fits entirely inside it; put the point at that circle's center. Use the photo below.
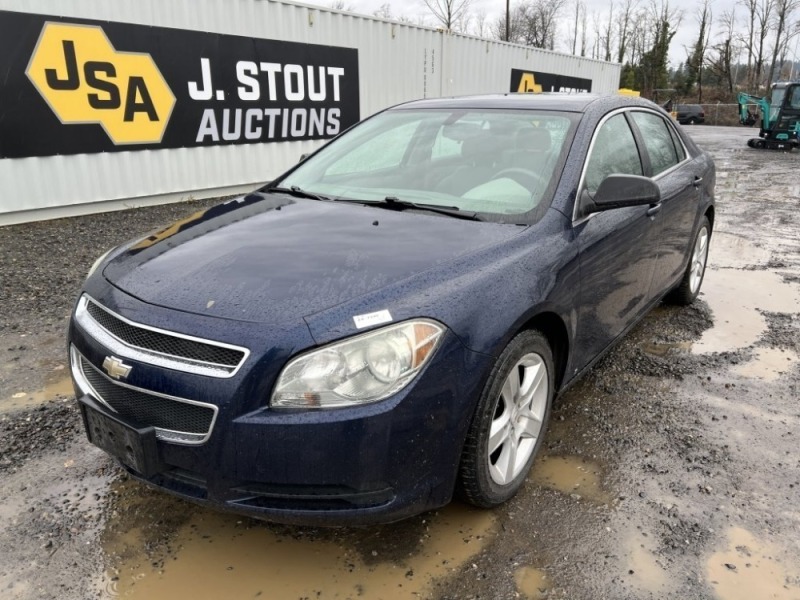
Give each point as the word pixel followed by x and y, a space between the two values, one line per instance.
pixel 652 72
pixel 627 78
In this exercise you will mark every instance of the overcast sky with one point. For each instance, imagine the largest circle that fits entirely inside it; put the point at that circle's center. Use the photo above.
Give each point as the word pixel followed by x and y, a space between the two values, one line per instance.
pixel 494 9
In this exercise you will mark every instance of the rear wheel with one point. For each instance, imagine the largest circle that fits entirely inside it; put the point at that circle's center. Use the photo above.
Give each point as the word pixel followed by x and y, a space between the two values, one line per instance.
pixel 689 287
pixel 509 422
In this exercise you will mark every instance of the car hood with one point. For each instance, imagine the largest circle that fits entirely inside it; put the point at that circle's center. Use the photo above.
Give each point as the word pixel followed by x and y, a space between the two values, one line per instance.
pixel 272 258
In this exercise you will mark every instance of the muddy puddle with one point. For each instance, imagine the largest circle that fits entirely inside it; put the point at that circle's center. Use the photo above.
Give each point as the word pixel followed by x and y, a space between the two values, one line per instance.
pixel 574 476
pixel 664 348
pixel 748 568
pixel 532 584
pixel 216 555
pixel 59 385
pixel 768 364
pixel 731 251
pixel 737 300
pixel 646 572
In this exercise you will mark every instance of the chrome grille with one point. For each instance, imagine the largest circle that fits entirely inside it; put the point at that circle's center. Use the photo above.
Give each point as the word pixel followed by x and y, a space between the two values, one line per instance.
pixel 162 343
pixel 158 347
pixel 175 419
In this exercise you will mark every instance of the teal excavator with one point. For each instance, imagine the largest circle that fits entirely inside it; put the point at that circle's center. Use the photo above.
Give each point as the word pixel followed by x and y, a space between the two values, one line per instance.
pixel 779 119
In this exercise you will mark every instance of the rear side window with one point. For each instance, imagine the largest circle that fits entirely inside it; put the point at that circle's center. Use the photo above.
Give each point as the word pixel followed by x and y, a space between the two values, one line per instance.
pixel 614 151
pixel 657 140
pixel 678 144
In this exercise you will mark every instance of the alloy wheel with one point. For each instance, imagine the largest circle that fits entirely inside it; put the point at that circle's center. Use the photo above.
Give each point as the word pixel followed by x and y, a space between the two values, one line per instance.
pixel 518 418
pixel 699 257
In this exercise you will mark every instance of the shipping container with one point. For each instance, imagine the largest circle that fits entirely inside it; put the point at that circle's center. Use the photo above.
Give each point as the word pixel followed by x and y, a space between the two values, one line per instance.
pixel 108 105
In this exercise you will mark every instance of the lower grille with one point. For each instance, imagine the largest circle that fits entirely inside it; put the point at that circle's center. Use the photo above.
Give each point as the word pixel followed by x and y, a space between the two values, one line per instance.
pixel 175 420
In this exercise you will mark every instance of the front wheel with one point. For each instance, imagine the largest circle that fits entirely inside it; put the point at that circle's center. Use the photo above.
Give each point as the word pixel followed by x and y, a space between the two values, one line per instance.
pixel 689 287
pixel 509 422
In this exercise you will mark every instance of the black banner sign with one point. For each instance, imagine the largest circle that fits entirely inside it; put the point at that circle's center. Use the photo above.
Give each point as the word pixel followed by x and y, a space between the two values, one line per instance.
pixel 535 81
pixel 75 86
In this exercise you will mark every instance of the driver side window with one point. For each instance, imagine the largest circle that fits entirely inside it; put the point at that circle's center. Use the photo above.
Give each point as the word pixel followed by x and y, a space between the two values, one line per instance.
pixel 614 151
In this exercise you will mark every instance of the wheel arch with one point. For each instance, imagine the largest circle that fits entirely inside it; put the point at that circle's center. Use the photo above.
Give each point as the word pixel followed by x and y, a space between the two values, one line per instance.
pixel 555 331
pixel 710 216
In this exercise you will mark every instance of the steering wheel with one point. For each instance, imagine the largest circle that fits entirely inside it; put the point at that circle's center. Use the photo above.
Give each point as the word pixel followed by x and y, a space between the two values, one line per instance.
pixel 527 179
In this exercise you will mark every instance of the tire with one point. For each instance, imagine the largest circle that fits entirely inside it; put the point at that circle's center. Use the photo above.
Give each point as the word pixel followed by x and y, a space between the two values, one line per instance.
pixel 490 476
pixel 689 287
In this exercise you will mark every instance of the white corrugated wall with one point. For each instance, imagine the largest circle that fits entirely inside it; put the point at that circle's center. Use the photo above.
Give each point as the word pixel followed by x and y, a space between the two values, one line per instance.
pixel 392 69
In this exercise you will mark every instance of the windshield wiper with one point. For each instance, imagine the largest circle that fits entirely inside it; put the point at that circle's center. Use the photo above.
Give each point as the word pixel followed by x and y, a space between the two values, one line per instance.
pixel 297 192
pixel 394 203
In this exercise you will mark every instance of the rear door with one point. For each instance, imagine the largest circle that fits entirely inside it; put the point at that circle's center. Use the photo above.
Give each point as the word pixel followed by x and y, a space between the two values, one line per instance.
pixel 668 163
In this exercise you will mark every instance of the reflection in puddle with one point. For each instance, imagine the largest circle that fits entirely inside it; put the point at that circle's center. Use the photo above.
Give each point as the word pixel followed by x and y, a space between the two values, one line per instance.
pixel 767 364
pixel 573 475
pixel 730 251
pixel 59 387
pixel 217 555
pixel 531 583
pixel 748 569
pixel 733 297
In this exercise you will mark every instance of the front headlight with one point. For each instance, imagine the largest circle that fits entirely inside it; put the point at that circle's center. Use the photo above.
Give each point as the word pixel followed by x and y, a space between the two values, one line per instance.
pixel 359 370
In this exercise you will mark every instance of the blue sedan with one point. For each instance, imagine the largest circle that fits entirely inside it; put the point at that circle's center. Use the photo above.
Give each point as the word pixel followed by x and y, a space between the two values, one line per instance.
pixel 388 323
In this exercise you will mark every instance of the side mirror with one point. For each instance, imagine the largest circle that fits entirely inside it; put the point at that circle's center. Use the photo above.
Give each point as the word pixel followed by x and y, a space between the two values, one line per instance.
pixel 620 191
pixel 304 156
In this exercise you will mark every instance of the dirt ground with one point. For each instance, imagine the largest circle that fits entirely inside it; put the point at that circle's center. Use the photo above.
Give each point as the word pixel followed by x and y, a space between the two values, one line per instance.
pixel 671 471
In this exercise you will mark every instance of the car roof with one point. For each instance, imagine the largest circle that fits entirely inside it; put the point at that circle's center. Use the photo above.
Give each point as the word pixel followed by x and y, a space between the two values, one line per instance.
pixel 544 101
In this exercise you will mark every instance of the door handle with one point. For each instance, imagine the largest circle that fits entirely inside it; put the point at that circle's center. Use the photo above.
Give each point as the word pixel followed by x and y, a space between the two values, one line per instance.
pixel 697 181
pixel 654 210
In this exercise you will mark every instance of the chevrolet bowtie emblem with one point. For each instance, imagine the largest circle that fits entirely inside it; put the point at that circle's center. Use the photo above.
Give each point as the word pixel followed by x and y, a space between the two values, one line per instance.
pixel 115 368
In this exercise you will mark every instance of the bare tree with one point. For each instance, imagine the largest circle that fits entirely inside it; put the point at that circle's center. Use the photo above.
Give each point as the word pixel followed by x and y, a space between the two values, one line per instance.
pixel 763 16
pixel 341 5
pixel 462 24
pixel 517 23
pixel 663 23
pixel 640 35
pixel 531 22
pixel 584 28
pixel 580 8
pixel 481 27
pixel 722 56
pixel 448 12
pixel 624 28
pixel 696 58
pixel 783 12
pixel 748 38
pixel 597 36
pixel 543 22
pixel 384 12
pixel 608 33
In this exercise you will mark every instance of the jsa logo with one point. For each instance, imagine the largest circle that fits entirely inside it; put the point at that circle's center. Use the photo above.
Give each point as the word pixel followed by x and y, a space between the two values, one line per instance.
pixel 527 83
pixel 85 80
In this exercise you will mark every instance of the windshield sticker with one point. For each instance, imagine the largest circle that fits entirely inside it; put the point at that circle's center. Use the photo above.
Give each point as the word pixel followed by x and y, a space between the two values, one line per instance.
pixel 375 318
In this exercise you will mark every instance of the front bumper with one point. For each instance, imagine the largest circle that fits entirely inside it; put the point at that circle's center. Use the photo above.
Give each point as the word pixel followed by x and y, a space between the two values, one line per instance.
pixel 352 466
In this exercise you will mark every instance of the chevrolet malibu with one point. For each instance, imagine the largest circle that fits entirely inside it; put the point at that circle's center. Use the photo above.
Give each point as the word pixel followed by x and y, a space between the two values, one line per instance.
pixel 388 323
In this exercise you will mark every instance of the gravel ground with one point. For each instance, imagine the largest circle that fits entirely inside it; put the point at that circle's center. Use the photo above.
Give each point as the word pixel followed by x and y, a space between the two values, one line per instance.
pixel 669 471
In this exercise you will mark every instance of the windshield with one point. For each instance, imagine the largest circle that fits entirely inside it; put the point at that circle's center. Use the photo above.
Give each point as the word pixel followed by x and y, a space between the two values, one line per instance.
pixel 498 162
pixel 777 100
